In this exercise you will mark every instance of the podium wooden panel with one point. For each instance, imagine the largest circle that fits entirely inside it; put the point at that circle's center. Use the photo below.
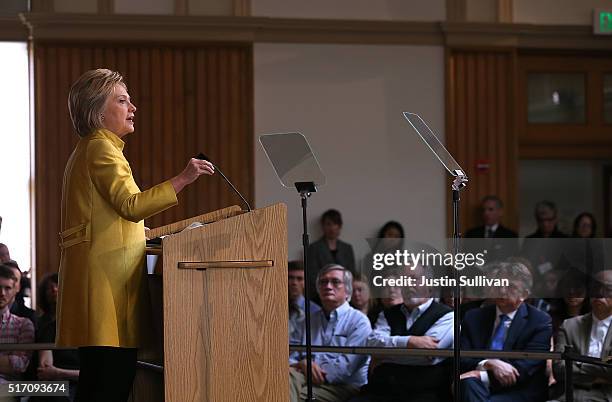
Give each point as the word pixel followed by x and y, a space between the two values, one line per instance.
pixel 225 308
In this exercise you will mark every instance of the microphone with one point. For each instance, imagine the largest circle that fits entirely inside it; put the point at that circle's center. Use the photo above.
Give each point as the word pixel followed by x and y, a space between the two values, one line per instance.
pixel 203 157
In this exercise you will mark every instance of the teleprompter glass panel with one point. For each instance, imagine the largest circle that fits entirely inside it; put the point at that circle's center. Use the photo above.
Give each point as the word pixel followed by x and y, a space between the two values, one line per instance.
pixel 556 98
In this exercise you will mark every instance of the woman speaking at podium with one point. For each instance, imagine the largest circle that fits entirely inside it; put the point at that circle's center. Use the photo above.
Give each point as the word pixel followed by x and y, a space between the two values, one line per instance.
pixel 102 239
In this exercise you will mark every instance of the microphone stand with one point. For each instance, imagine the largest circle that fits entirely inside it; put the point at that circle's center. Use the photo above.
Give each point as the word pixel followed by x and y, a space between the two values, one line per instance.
pixel 203 157
pixel 305 189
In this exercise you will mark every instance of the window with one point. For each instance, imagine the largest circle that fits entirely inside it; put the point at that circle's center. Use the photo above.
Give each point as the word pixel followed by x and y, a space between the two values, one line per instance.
pixel 555 98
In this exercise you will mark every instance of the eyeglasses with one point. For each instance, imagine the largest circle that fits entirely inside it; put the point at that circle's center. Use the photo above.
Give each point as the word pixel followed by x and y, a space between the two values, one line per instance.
pixel 334 282
pixel 601 290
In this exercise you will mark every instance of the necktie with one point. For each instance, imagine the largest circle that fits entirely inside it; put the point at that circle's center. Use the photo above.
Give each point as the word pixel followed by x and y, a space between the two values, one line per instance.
pixel 488 233
pixel 601 336
pixel 497 342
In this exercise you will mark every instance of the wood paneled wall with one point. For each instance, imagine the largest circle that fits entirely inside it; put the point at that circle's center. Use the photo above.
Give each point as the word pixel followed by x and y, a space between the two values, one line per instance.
pixel 480 128
pixel 190 99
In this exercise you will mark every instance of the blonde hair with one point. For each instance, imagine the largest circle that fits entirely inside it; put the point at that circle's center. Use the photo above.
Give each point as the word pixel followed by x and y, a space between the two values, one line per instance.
pixel 87 97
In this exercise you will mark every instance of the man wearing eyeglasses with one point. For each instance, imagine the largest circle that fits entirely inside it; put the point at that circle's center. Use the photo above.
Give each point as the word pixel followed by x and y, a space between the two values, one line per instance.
pixel 540 248
pixel 590 335
pixel 336 376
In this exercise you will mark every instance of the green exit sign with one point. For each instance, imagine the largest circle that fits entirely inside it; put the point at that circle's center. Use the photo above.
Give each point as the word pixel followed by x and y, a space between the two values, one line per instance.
pixel 602 22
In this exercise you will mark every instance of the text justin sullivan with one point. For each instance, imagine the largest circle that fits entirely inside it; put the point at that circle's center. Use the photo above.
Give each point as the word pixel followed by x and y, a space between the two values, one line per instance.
pixel 480 280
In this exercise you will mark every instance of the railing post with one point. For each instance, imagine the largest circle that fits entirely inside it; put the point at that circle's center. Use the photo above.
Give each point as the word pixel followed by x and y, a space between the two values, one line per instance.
pixel 569 375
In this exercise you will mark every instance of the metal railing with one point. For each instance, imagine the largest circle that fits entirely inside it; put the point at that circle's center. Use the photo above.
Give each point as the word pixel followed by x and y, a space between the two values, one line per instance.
pixel 568 355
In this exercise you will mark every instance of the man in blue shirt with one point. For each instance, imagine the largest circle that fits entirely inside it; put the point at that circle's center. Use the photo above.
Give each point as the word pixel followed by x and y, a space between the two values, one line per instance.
pixel 297 302
pixel 336 376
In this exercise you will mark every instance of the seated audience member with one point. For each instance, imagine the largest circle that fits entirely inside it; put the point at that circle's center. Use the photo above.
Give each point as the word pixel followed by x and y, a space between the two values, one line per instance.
pixel 585 226
pixel 539 248
pixel 508 325
pixel 492 211
pixel 13 329
pixel 390 296
pixel 546 218
pixel 336 376
pixel 571 300
pixel 297 302
pixel 5 255
pixel 329 249
pixel 389 239
pixel 589 335
pixel 56 365
pixel 17 305
pixel 361 299
pixel 418 323
pixel 587 252
pixel 546 287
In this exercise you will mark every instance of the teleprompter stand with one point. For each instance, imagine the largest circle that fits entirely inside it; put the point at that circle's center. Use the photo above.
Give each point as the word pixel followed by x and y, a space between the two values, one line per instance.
pixel 296 167
pixel 460 180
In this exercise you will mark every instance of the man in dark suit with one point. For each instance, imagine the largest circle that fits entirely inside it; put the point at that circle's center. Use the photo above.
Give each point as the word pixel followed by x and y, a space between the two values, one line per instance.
pixel 508 325
pixel 497 250
pixel 329 249
pixel 543 247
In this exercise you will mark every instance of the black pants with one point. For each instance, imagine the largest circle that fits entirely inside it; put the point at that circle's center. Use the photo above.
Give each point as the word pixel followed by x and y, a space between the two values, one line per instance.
pixel 106 374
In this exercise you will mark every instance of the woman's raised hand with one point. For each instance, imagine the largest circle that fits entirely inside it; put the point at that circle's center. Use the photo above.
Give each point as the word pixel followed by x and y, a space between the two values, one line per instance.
pixel 194 169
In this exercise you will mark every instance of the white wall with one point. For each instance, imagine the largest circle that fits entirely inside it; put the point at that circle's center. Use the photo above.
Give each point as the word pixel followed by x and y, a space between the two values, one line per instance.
pixel 574 185
pixel 571 12
pixel 15 146
pixel 347 100
pixel 413 10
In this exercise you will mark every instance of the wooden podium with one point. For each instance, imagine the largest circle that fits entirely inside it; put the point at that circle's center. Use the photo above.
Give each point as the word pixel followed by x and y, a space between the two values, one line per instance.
pixel 224 307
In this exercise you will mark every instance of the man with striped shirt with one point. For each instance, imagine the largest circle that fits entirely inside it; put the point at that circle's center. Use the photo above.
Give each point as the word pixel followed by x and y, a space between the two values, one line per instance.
pixel 13 329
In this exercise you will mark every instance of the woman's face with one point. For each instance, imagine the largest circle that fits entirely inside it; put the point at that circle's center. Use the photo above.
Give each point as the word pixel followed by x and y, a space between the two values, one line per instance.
pixel 331 230
pixel 392 296
pixel 574 301
pixel 392 238
pixel 585 227
pixel 119 112
pixel 575 296
pixel 393 233
pixel 361 294
pixel 51 292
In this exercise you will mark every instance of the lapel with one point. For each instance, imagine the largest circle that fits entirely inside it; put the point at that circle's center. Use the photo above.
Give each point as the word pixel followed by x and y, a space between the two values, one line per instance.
pixel 487 324
pixel 605 350
pixel 519 321
pixel 585 335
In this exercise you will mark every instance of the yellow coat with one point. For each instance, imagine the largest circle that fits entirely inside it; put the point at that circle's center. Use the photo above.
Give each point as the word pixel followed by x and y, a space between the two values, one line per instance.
pixel 102 244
